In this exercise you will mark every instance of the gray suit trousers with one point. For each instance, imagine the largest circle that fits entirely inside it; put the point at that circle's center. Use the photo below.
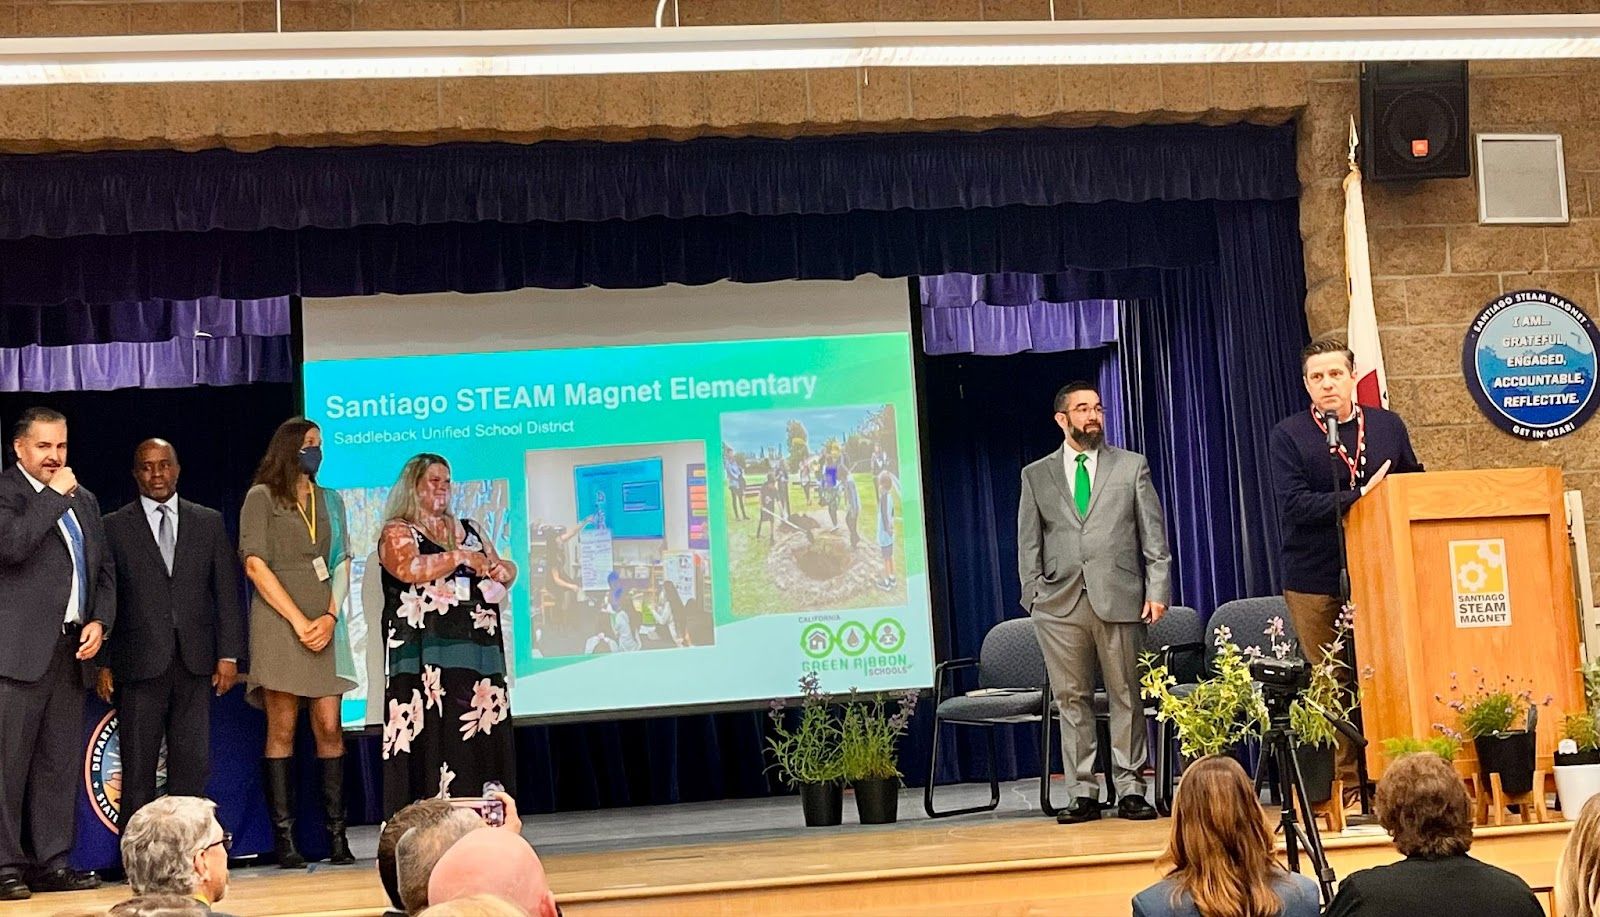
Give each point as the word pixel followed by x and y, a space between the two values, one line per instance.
pixel 1075 646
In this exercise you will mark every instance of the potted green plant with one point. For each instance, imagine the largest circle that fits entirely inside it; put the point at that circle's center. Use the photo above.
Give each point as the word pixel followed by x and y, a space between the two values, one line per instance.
pixel 1577 760
pixel 1217 713
pixel 1312 713
pixel 1502 721
pixel 1446 746
pixel 868 738
pixel 1311 717
pixel 808 754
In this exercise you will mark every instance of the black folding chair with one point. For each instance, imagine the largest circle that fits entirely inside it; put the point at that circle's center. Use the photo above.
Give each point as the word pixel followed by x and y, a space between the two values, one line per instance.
pixel 1014 689
pixel 1175 640
pixel 1246 621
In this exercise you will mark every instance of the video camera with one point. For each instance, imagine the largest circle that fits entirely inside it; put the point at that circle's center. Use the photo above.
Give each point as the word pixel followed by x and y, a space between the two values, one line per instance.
pixel 1286 676
pixel 1282 682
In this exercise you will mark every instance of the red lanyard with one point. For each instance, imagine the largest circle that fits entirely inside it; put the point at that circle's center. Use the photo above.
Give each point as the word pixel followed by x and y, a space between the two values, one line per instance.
pixel 1357 465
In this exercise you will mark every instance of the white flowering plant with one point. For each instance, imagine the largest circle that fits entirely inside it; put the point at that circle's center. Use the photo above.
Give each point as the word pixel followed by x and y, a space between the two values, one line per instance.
pixel 1219 712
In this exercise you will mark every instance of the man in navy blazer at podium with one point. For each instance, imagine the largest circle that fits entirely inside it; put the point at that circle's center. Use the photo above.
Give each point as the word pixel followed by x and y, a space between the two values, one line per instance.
pixel 181 629
pixel 57 603
pixel 1317 480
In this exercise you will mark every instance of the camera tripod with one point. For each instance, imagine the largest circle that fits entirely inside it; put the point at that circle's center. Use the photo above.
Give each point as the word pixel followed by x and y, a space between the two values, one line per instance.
pixel 1277 749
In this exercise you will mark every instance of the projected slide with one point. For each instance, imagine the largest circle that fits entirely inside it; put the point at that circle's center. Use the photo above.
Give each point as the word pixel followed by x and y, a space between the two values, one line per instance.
pixel 694 523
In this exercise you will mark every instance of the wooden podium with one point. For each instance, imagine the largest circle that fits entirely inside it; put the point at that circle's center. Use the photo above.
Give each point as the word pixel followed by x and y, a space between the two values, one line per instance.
pixel 1456 570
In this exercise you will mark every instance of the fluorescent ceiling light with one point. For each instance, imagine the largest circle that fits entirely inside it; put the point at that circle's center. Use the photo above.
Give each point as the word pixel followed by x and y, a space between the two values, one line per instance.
pixel 377 55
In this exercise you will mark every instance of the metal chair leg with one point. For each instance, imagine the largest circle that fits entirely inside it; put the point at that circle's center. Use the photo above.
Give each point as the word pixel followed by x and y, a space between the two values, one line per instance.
pixel 1164 769
pixel 994 777
pixel 1103 753
pixel 1046 745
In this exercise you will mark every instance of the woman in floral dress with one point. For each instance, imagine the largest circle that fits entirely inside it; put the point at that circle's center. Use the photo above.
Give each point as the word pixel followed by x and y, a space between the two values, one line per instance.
pixel 447 729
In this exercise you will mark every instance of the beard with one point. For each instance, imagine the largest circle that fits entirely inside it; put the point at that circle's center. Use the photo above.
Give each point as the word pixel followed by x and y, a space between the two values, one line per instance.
pixel 1087 438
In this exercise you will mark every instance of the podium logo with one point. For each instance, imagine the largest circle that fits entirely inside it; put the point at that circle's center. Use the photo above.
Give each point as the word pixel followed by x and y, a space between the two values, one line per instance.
pixel 1479 582
pixel 102 772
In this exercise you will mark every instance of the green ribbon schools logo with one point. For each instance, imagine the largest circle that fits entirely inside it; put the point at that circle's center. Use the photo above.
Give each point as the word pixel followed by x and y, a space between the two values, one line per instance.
pixel 852 638
pixel 817 641
pixel 888 635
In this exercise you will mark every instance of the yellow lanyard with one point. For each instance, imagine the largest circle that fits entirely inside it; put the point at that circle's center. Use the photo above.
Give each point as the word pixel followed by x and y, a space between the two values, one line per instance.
pixel 311 520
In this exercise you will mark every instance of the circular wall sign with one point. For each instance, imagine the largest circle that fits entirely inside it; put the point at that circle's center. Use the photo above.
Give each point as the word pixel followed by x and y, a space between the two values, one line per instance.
pixel 1529 361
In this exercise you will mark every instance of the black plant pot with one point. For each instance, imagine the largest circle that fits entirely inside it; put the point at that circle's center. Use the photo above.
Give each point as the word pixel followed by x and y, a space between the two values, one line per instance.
pixel 1511 756
pixel 1578 758
pixel 877 799
pixel 823 804
pixel 1316 767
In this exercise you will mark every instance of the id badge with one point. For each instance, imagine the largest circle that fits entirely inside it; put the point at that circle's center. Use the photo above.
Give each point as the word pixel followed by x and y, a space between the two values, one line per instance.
pixel 463 589
pixel 321 566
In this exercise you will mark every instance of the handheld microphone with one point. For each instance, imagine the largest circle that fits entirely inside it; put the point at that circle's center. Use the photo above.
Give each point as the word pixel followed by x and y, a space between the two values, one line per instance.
pixel 1330 422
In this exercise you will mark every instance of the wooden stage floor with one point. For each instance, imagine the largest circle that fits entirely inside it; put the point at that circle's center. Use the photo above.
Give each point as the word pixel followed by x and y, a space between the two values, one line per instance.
pixel 1018 863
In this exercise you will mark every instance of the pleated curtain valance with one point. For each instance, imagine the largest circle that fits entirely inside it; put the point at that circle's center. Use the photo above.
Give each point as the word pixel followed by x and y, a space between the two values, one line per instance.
pixel 117 193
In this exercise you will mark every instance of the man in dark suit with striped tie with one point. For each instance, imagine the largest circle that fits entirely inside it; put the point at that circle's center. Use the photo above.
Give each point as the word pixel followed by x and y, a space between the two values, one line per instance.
pixel 181 629
pixel 57 604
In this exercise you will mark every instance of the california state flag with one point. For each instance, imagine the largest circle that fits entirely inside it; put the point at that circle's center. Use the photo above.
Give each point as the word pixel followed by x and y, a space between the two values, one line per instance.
pixel 1372 386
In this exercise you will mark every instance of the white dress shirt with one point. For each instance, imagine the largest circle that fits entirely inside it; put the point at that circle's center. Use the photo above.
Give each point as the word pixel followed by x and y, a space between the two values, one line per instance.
pixel 1070 455
pixel 71 616
pixel 152 514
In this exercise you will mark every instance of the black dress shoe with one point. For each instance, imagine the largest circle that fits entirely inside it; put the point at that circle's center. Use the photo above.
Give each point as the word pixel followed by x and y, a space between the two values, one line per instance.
pixel 64 880
pixel 1082 809
pixel 1135 808
pixel 12 888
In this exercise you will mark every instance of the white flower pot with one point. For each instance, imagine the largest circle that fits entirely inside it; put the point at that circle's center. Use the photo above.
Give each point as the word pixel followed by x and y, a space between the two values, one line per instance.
pixel 1575 783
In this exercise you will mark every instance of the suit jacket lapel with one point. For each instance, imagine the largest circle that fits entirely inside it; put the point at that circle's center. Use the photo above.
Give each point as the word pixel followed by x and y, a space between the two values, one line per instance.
pixel 1058 476
pixel 184 521
pixel 136 518
pixel 22 482
pixel 1102 474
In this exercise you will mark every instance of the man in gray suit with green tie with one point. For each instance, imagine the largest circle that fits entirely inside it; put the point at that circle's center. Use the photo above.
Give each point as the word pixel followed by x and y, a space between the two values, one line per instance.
pixel 1092 555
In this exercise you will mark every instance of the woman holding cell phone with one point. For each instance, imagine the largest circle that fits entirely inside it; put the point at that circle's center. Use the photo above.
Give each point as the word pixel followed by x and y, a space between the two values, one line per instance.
pixel 446 731
pixel 286 541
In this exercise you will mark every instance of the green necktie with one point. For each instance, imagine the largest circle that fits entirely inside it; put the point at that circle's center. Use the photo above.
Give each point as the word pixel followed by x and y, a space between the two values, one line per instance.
pixel 1080 485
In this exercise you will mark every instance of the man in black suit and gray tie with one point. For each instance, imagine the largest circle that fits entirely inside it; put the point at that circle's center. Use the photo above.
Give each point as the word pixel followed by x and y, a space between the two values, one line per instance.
pixel 57 603
pixel 181 629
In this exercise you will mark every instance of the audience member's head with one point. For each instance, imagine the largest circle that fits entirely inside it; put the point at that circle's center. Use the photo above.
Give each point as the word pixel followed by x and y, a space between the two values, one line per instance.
pixel 493 862
pixel 476 906
pixel 1578 870
pixel 1423 806
pixel 417 815
pixel 1220 851
pixel 174 846
pixel 162 905
pixel 419 849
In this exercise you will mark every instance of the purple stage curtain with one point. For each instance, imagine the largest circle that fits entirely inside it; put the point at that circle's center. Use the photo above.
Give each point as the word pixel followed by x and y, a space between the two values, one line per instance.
pixel 116 193
pixel 149 320
pixel 153 344
pixel 1000 314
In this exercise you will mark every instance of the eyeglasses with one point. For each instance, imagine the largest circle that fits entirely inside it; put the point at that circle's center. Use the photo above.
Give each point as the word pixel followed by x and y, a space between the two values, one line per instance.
pixel 226 842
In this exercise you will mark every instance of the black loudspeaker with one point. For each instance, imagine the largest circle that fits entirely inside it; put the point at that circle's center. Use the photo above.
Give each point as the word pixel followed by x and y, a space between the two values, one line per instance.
pixel 1414 121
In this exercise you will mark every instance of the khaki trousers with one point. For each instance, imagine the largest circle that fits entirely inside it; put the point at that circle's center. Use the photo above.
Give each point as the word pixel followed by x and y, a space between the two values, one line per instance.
pixel 1314 617
pixel 1075 646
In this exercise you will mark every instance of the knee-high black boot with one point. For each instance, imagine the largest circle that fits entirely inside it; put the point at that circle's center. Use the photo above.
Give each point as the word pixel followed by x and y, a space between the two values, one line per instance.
pixel 276 775
pixel 333 810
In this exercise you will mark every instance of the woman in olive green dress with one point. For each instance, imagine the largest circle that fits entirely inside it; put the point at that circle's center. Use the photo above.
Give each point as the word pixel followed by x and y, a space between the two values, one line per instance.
pixel 286 543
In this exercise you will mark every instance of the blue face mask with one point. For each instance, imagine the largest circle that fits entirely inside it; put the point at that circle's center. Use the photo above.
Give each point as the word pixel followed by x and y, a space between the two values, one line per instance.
pixel 310 459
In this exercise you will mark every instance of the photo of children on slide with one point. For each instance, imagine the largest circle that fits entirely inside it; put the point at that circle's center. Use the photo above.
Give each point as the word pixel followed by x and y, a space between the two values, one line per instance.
pixel 617 557
pixel 813 518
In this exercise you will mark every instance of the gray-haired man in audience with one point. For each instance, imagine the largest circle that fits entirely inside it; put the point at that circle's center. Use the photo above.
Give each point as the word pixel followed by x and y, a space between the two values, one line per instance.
pixel 175 846
pixel 419 851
